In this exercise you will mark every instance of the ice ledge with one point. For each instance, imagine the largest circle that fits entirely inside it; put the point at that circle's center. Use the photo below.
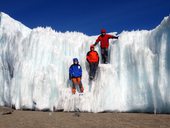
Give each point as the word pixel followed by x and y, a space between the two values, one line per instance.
pixel 11 25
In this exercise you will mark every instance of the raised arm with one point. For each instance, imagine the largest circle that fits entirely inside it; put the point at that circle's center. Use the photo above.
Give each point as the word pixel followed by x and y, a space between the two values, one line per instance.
pixel 113 37
pixel 97 41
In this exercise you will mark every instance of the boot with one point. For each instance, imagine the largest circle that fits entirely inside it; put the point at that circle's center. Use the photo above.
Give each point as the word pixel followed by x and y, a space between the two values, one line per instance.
pixel 73 90
pixel 82 89
pixel 91 77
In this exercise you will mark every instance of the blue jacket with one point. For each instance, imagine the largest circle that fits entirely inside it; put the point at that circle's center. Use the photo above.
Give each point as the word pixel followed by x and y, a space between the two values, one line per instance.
pixel 75 71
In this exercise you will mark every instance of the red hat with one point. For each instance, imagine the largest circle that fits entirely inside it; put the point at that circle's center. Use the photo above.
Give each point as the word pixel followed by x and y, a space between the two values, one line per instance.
pixel 103 31
pixel 91 46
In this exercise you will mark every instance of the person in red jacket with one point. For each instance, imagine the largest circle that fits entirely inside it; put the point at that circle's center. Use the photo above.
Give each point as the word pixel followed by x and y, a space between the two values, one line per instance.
pixel 104 44
pixel 93 60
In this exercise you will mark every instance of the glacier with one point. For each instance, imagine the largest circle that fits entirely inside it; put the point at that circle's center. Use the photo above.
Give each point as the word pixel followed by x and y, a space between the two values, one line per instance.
pixel 34 66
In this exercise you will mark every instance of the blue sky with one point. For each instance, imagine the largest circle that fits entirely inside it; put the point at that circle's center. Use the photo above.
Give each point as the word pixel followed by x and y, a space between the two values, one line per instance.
pixel 88 16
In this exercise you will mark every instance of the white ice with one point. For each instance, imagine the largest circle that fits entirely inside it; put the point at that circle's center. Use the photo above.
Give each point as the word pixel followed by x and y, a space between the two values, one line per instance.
pixel 34 66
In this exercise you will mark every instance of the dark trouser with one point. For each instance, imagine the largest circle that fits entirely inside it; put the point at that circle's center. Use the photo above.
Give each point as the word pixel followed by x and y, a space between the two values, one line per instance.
pixel 93 68
pixel 104 52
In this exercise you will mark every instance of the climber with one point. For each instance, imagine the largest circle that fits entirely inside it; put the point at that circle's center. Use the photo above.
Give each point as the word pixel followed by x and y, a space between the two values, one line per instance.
pixel 75 74
pixel 104 44
pixel 93 60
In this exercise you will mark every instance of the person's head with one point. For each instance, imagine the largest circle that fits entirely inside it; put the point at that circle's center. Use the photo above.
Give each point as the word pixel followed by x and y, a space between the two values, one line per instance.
pixel 92 47
pixel 75 61
pixel 103 31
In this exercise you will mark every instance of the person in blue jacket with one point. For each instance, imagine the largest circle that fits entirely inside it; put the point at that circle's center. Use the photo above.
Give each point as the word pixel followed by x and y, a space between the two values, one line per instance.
pixel 75 74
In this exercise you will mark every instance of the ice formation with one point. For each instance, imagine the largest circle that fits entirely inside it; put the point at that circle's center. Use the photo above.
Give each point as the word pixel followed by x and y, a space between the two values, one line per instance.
pixel 34 66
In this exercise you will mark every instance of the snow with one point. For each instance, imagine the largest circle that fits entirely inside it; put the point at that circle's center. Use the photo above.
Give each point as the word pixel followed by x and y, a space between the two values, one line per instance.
pixel 34 66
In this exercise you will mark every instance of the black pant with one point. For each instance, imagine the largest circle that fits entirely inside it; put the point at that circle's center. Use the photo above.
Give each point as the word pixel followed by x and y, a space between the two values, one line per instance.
pixel 93 68
pixel 104 52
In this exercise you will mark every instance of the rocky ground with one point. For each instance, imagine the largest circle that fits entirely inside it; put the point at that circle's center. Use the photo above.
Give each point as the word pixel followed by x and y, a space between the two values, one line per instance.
pixel 10 118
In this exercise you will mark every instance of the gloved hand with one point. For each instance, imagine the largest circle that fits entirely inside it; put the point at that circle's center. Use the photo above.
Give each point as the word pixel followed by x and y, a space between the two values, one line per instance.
pixel 95 44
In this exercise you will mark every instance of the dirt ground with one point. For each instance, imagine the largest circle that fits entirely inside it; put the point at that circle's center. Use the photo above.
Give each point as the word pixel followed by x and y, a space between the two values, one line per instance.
pixel 37 119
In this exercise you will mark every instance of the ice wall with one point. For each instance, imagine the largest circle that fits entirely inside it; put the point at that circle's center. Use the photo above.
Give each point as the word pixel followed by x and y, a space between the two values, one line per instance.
pixel 34 67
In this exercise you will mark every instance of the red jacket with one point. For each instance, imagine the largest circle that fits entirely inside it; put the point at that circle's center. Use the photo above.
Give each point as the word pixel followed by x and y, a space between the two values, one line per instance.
pixel 92 57
pixel 104 40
